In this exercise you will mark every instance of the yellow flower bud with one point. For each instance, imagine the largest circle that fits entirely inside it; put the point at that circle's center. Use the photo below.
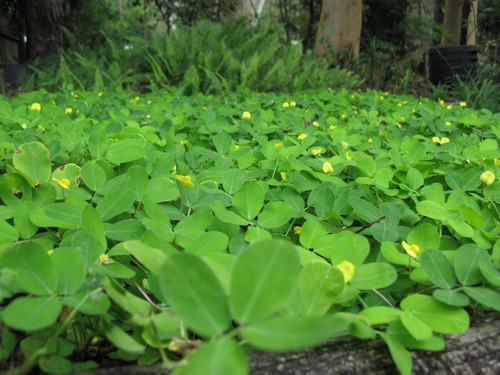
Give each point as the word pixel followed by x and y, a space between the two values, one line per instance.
pixel 444 140
pixel 293 104
pixel 286 105
pixel 315 123
pixel 183 142
pixel 370 140
pixel 297 229
pixel 36 107
pixel 349 155
pixel 327 167
pixel 68 111
pixel 463 104
pixel 63 183
pixel 316 151
pixel 487 177
pixel 185 180
pixel 411 250
pixel 283 176
pixel 246 115
pixel 278 145
pixel 347 269
pixel 447 123
pixel 302 136
pixel 103 258
pixel 436 139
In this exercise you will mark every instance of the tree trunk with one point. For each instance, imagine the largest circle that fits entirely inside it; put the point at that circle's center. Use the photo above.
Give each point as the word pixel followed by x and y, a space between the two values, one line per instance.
pixel 452 23
pixel 472 24
pixel 250 9
pixel 340 25
pixel 473 352
pixel 44 34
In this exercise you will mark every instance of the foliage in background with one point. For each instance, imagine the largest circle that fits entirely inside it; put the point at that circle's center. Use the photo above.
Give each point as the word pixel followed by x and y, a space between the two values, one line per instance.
pixel 188 229
pixel 207 57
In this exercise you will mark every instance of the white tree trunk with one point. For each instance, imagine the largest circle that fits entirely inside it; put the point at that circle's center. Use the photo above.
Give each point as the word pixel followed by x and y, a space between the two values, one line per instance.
pixel 340 27
pixel 452 23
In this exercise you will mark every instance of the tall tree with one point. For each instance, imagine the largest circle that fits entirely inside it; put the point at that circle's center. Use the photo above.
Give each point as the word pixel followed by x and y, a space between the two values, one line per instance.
pixel 452 23
pixel 43 28
pixel 340 27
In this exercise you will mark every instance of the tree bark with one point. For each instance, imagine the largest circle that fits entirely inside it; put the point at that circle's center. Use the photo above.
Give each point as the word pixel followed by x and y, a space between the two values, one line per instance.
pixel 44 34
pixel 452 23
pixel 472 24
pixel 340 25
pixel 474 352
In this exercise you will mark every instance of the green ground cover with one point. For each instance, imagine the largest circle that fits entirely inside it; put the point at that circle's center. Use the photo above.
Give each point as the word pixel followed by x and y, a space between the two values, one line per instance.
pixel 158 227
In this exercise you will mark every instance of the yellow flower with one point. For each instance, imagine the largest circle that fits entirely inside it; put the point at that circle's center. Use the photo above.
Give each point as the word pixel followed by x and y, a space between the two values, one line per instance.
pixel 185 180
pixel 63 183
pixel 347 269
pixel 370 140
pixel 36 107
pixel 99 94
pixel 343 116
pixel 95 340
pixel 399 125
pixel 135 100
pixel 246 115
pixel 24 126
pixel 315 123
pixel 68 111
pixel 345 145
pixel 354 107
pixel 292 104
pixel 497 161
pixel 444 140
pixel 286 105
pixel 463 104
pixel 447 123
pixel 448 106
pixel 402 119
pixel 381 97
pixel 174 346
pixel 278 145
pixel 333 127
pixel 400 104
pixel 283 176
pixel 174 168
pixel 436 139
pixel 487 177
pixel 297 229
pixel 411 250
pixel 103 258
pixel 316 151
pixel 236 147
pixel 349 155
pixel 473 116
pixel 50 252
pixel 327 167
pixel 149 102
pixel 204 108
pixel 441 102
pixel 302 136
pixel 183 142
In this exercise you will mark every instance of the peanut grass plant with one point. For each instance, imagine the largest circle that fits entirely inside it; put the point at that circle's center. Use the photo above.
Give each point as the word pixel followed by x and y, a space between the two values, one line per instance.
pixel 187 230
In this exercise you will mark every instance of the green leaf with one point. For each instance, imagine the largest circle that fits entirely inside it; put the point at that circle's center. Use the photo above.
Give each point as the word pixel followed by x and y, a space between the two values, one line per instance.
pixel 381 314
pixel 226 216
pixel 264 276
pixel 249 200
pixel 451 297
pixel 438 268
pixel 233 180
pixel 113 204
pixel 93 226
pixel 124 230
pixel 32 313
pixel 70 215
pixel 8 233
pixel 467 260
pixel 123 341
pixel 209 242
pixel 433 210
pixel 188 284
pixel 159 189
pixel 32 159
pixel 68 264
pixel 312 231
pixel 490 272
pixel 290 333
pixel 365 163
pixel 344 245
pixel 223 356
pixel 414 178
pixel 138 181
pixel 125 150
pixel 148 256
pixel 398 331
pixel 23 224
pixel 34 270
pixel 55 364
pixel 365 210
pixel 374 276
pixel 90 303
pixel 126 300
pixel 192 226
pixel 393 255
pixel 399 354
pixel 424 235
pixel 275 214
pixel 93 175
pixel 418 329
pixel 440 317
pixel 485 296
pixel 461 227
pixel 319 284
